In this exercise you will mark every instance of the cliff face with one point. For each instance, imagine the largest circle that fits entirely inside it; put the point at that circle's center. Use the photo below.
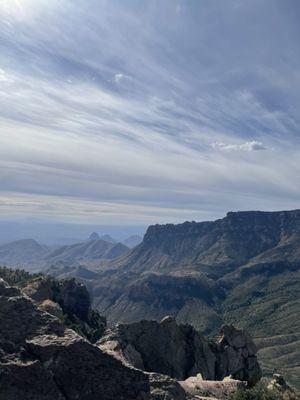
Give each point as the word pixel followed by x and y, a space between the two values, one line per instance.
pixel 233 240
pixel 192 266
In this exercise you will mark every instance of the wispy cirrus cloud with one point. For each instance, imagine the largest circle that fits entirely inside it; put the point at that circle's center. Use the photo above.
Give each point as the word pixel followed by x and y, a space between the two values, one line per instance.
pixel 254 145
pixel 112 105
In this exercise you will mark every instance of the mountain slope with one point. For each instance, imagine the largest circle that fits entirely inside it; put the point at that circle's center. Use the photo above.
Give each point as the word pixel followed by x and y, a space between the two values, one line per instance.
pixel 81 252
pixel 26 252
pixel 132 241
pixel 243 269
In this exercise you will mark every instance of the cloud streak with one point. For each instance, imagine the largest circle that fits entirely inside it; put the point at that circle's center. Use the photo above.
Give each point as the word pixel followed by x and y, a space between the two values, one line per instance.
pixel 116 115
pixel 247 146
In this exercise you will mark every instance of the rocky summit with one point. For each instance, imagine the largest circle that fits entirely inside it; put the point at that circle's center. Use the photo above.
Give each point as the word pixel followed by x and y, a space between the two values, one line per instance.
pixel 43 359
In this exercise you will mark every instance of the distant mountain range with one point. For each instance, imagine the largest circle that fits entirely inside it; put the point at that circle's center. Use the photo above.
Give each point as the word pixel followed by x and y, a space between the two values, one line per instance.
pixel 130 242
pixel 31 255
pixel 243 269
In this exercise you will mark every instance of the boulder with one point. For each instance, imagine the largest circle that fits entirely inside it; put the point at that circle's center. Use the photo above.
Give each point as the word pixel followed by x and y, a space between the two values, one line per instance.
pixel 163 387
pixel 163 347
pixel 180 352
pixel 236 356
pixel 195 386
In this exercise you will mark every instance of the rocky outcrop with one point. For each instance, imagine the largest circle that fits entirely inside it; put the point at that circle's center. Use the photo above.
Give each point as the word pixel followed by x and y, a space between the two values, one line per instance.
pixel 236 356
pixel 73 297
pixel 162 387
pixel 180 351
pixel 196 386
pixel 40 359
pixel 71 302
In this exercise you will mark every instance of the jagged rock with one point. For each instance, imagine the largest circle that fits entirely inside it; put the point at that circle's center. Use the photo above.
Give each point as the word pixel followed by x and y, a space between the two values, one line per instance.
pixel 74 301
pixel 42 360
pixel 196 386
pixel 236 356
pixel 163 387
pixel 167 348
pixel 40 289
pixel 52 308
pixel 180 351
pixel 72 296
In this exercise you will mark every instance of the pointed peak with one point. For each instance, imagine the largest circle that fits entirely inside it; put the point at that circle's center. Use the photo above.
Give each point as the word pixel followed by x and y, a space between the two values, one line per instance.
pixel 94 236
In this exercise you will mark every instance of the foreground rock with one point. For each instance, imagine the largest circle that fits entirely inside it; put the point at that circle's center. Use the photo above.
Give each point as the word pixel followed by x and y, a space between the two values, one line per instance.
pixel 42 360
pixel 196 386
pixel 70 301
pixel 180 351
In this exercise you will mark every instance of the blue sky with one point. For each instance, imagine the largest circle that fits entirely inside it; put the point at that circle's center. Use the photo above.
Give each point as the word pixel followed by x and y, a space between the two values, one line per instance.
pixel 137 112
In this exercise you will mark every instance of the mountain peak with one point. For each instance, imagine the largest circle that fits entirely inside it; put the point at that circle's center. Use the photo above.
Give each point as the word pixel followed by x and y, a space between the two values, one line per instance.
pixel 94 236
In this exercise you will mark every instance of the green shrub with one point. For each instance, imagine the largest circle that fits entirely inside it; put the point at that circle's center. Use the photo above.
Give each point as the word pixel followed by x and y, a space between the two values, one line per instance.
pixel 258 392
pixel 17 277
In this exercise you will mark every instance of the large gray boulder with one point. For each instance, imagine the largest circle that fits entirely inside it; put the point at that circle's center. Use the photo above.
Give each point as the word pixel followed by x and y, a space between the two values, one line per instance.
pixel 163 347
pixel 236 356
pixel 181 352
pixel 196 387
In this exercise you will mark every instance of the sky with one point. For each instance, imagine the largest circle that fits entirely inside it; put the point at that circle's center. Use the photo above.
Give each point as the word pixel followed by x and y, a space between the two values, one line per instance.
pixel 135 112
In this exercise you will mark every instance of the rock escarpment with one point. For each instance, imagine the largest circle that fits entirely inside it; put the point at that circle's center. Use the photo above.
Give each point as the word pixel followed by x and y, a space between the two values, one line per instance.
pixel 180 351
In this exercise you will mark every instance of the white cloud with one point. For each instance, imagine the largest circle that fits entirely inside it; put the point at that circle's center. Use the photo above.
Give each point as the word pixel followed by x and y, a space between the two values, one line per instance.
pixel 118 77
pixel 5 78
pixel 247 146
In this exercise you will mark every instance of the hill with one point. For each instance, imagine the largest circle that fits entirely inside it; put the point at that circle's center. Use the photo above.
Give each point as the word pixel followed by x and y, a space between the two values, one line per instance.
pixel 25 253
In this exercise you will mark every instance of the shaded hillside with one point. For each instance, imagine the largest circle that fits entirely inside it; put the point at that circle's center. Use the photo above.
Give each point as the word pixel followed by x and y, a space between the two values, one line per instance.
pixel 243 269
